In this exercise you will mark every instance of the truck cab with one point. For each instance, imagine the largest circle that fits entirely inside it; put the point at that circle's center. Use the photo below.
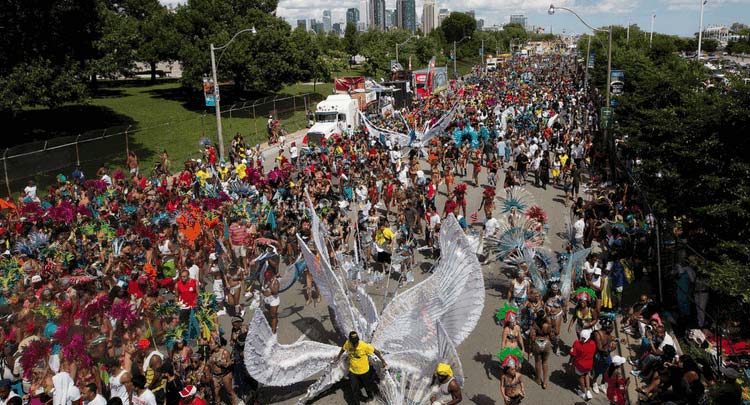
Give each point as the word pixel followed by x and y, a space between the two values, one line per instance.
pixel 332 116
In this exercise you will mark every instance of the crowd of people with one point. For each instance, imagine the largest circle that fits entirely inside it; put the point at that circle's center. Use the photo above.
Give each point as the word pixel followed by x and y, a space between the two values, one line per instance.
pixel 114 286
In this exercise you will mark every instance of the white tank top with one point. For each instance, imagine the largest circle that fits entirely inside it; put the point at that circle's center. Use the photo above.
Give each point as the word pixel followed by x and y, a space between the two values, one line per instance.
pixel 117 389
pixel 164 248
pixel 444 394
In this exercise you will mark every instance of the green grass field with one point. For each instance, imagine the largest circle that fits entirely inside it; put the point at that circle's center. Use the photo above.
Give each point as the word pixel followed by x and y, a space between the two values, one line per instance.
pixel 156 116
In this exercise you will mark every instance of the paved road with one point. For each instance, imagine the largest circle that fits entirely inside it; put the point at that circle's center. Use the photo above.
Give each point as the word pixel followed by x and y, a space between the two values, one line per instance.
pixel 477 352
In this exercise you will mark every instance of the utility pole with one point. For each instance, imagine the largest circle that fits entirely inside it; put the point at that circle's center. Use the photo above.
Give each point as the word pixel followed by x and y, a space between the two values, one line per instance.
pixel 216 87
pixel 216 104
pixel 627 39
pixel 651 40
pixel 588 56
pixel 700 29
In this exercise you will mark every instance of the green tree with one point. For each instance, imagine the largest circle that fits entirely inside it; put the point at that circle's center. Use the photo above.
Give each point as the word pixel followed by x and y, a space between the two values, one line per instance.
pixel 710 45
pixel 258 63
pixel 458 25
pixel 45 48
pixel 351 40
pixel 158 39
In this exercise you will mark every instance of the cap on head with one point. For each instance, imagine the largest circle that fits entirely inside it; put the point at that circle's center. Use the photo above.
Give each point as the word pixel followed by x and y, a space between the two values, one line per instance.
pixel 586 334
pixel 618 361
pixel 189 390
pixel 353 335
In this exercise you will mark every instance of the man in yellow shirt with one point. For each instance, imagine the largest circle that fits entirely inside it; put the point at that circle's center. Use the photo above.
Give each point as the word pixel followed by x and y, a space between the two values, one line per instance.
pixel 241 169
pixel 360 373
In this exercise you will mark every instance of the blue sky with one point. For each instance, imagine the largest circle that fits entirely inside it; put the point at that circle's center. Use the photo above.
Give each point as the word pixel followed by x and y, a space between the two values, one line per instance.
pixel 679 17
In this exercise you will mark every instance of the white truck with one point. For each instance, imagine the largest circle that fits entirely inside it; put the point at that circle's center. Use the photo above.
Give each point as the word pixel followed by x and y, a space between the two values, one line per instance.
pixel 332 116
pixel 491 64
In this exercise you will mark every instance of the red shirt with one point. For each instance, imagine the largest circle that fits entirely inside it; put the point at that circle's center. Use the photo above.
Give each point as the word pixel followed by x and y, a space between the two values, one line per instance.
pixel 187 292
pixel 583 355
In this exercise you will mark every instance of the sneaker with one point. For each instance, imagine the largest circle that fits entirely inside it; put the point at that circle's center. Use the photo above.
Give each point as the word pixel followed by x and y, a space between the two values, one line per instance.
pixel 633 363
pixel 221 313
pixel 581 393
pixel 595 388
pixel 588 394
pixel 636 373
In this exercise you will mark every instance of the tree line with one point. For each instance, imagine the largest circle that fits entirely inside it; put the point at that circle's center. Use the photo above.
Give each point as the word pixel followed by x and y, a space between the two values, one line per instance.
pixel 55 51
pixel 687 130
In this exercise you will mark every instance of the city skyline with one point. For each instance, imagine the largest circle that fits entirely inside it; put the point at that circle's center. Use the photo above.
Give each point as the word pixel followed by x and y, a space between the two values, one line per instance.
pixel 678 17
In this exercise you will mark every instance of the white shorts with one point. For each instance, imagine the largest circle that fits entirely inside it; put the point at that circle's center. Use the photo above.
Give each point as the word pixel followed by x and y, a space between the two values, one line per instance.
pixel 239 251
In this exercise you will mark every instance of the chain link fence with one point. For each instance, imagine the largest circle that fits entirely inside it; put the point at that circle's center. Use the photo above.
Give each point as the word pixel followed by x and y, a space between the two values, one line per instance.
pixel 41 161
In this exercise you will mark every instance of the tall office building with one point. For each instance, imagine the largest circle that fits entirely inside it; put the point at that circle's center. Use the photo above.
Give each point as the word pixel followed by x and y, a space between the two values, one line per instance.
pixel 390 18
pixel 302 24
pixel 352 16
pixel 338 28
pixel 313 24
pixel 442 15
pixel 406 17
pixel 518 19
pixel 377 10
pixel 326 21
pixel 429 16
pixel 364 15
pixel 480 24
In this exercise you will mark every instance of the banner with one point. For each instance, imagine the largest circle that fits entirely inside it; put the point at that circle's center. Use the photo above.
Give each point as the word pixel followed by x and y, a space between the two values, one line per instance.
pixel 384 136
pixel 209 93
pixel 617 82
pixel 346 84
pixel 431 131
pixel 592 59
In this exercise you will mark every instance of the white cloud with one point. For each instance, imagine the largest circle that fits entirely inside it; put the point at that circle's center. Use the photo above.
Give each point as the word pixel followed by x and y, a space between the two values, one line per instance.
pixel 695 5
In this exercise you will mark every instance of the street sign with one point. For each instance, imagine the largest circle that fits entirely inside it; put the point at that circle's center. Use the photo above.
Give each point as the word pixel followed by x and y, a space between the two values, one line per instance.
pixel 617 82
pixel 592 59
pixel 606 118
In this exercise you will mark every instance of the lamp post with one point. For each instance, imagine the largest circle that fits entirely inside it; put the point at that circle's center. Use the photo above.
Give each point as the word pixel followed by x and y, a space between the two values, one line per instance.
pixel 700 29
pixel 404 43
pixel 455 55
pixel 216 86
pixel 610 140
pixel 651 39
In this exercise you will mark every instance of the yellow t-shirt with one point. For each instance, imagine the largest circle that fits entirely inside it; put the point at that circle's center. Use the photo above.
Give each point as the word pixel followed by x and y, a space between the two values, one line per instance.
pixel 202 175
pixel 240 170
pixel 358 360
pixel 382 237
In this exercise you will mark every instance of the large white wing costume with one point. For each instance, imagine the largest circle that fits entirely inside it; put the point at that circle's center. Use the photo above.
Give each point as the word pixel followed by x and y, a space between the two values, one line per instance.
pixel 418 329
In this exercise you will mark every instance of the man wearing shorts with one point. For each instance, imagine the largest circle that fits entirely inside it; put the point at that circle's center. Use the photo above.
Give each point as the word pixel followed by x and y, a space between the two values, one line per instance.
pixel 238 239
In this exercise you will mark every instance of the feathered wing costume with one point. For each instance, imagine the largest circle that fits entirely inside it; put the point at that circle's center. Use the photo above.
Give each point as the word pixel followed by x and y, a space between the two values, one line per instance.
pixel 419 328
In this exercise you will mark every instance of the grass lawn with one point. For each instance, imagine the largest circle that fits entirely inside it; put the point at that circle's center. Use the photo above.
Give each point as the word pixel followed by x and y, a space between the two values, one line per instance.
pixel 156 116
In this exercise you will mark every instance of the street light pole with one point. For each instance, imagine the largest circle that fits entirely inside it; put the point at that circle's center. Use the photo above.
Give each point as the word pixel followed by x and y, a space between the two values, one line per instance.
pixel 700 29
pixel 588 56
pixel 455 55
pixel 404 43
pixel 609 140
pixel 216 104
pixel 216 87
pixel 651 39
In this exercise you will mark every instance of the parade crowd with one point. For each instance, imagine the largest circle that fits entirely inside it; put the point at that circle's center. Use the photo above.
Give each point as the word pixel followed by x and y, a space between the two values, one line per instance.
pixel 114 282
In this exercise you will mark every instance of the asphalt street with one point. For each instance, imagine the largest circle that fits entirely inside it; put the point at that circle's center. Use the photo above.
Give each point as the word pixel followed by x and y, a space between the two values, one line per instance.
pixel 477 352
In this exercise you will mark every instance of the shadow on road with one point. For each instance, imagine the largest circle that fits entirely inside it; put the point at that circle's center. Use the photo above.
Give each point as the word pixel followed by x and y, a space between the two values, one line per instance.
pixel 315 331
pixel 491 366
pixel 560 378
pixel 481 399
